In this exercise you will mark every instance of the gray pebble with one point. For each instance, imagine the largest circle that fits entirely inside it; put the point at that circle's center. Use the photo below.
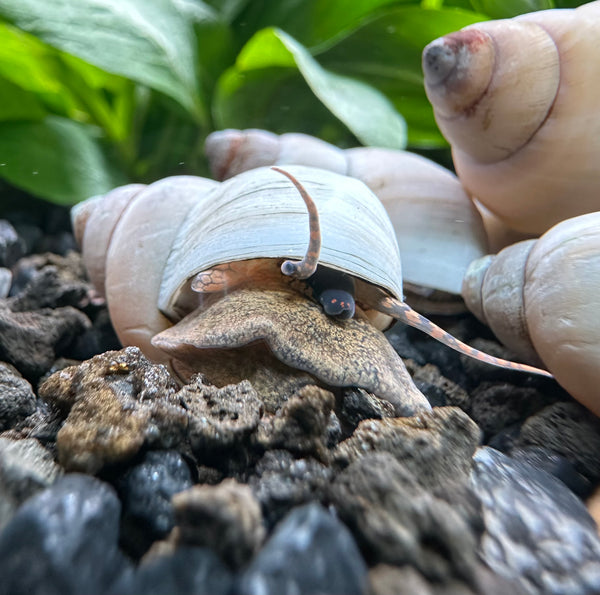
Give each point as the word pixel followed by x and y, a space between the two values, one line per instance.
pixel 17 399
pixel 26 467
pixel 63 541
pixel 537 531
pixel 309 552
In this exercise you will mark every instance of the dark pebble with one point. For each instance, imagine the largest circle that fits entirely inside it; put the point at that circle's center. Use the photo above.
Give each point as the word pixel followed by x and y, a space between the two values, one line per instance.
pixel 497 406
pixel 537 531
pixel 188 571
pixel 358 405
pixel 571 431
pixel 283 482
pixel 31 341
pixel 11 247
pixel 63 541
pixel 17 399
pixel 310 552
pixel 146 490
pixel 555 464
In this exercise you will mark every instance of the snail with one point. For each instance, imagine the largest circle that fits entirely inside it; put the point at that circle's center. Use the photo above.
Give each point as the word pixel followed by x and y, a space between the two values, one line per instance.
pixel 438 229
pixel 542 297
pixel 191 267
pixel 517 99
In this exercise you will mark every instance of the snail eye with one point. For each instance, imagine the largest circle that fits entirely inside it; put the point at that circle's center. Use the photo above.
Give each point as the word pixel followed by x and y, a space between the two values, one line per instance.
pixel 337 303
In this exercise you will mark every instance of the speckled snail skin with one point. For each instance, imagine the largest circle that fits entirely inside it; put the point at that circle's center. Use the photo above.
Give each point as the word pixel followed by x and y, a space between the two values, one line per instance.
pixel 196 243
pixel 518 101
pixel 542 299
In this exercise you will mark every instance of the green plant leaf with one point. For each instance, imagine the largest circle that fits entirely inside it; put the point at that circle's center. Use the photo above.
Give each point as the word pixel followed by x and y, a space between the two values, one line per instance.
pixel 56 159
pixel 18 104
pixel 385 52
pixel 311 22
pixel 503 9
pixel 148 41
pixel 365 111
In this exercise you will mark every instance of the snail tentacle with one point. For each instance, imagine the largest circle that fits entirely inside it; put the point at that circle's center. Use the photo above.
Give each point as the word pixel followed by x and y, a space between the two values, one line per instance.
pixel 406 314
pixel 308 265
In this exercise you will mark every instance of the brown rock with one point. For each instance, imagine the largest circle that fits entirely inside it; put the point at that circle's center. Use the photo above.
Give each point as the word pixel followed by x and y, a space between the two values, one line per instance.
pixel 398 522
pixel 436 446
pixel 220 418
pixel 31 341
pixel 114 403
pixel 569 430
pixel 301 425
pixel 225 518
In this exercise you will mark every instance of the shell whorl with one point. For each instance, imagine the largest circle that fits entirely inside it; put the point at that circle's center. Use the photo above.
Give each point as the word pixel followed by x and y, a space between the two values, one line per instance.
pixel 549 291
pixel 493 291
pixel 528 146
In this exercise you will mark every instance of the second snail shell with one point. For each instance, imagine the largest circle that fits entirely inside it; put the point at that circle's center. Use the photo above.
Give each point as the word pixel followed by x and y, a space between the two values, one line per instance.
pixel 542 299
pixel 518 101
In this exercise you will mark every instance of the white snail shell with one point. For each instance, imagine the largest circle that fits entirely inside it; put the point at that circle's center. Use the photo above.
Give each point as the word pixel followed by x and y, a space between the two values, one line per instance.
pixel 518 101
pixel 143 244
pixel 542 298
pixel 438 229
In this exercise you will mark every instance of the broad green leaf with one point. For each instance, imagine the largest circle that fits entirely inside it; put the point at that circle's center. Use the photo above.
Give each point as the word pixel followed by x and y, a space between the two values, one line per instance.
pixel 276 99
pixel 311 22
pixel 365 111
pixel 33 66
pixel 56 159
pixel 18 104
pixel 386 53
pixel 228 9
pixel 502 9
pixel 148 41
pixel 570 3
pixel 65 84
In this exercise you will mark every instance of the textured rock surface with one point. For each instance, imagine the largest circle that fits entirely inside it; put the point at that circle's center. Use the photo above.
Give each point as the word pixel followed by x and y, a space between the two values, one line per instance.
pixel 32 340
pixel 225 517
pixel 114 403
pixel 282 482
pixel 569 430
pixel 188 571
pixel 26 467
pixel 495 406
pixel 537 531
pixel 301 425
pixel 309 552
pixel 398 522
pixel 63 541
pixel 433 445
pixel 221 419
pixel 146 490
pixel 17 399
